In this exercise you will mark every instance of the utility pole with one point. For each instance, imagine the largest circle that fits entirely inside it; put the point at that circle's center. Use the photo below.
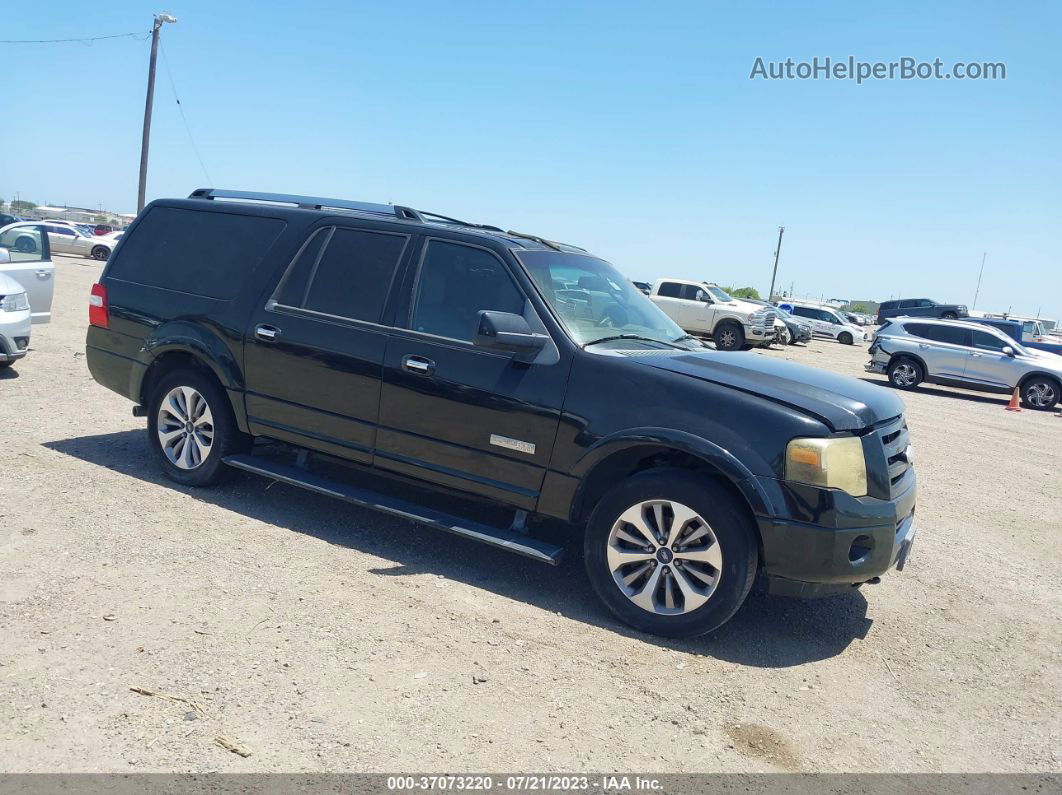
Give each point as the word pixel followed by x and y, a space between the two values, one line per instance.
pixel 777 251
pixel 160 19
pixel 979 275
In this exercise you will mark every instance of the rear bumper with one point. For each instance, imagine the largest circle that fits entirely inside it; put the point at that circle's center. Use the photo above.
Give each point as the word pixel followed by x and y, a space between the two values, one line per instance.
pixel 830 541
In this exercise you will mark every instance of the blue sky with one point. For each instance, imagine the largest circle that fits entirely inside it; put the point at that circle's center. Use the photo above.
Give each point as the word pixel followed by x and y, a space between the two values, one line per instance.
pixel 632 129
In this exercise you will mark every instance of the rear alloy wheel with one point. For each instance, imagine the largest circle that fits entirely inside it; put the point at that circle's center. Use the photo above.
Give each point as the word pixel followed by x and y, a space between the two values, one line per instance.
pixel 845 338
pixel 729 337
pixel 100 252
pixel 905 373
pixel 671 553
pixel 1040 393
pixel 949 316
pixel 191 428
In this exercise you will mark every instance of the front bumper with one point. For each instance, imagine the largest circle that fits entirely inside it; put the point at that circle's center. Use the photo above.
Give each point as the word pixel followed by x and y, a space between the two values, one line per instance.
pixel 874 366
pixel 827 541
pixel 14 335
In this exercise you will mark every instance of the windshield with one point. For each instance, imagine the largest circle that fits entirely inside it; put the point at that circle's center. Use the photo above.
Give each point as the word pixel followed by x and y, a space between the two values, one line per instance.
pixel 594 301
pixel 718 293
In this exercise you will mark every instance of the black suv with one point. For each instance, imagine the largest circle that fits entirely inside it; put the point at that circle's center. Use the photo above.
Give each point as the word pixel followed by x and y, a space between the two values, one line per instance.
pixel 418 350
pixel 919 307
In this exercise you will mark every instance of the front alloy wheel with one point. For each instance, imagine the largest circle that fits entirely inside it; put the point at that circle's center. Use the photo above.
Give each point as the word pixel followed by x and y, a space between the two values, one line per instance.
pixel 671 552
pixel 185 427
pixel 1040 394
pixel 664 557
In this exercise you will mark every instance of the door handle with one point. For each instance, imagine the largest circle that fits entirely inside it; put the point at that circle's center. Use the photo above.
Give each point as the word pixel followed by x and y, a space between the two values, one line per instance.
pixel 922 345
pixel 417 365
pixel 976 355
pixel 266 333
pixel 43 274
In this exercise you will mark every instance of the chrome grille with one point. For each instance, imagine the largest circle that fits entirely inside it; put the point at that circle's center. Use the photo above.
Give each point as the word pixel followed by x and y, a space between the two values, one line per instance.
pixel 769 320
pixel 895 439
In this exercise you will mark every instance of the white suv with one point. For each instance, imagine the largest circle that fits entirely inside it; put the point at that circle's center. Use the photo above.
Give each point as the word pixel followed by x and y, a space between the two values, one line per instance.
pixel 826 322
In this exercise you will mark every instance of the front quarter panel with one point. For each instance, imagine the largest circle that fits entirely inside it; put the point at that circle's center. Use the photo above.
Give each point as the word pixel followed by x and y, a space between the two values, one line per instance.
pixel 615 401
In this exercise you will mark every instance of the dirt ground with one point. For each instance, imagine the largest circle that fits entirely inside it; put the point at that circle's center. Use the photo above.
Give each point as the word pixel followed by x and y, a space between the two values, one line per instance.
pixel 322 637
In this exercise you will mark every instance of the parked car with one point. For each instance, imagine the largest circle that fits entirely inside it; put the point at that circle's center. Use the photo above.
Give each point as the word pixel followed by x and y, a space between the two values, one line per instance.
pixel 1016 331
pixel 14 318
pixel 70 238
pixel 6 219
pixel 456 356
pixel 706 309
pixel 25 256
pixel 644 287
pixel 102 229
pixel 957 353
pixel 826 322
pixel 788 330
pixel 919 307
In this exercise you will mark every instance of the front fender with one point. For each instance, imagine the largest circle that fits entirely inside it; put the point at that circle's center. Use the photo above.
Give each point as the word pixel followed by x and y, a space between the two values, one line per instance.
pixel 723 460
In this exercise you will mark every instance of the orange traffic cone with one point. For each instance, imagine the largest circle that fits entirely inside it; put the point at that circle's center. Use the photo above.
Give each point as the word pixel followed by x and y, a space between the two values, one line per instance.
pixel 1013 405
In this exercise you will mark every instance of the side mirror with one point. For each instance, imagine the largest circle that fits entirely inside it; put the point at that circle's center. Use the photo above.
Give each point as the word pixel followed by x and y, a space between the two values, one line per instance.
pixel 1008 350
pixel 504 331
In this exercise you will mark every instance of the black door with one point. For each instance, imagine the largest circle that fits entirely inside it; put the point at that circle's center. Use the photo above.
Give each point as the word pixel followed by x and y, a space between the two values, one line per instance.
pixel 314 352
pixel 457 415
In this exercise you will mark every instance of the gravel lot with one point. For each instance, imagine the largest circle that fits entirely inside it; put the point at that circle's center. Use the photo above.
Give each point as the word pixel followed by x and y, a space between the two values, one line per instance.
pixel 322 637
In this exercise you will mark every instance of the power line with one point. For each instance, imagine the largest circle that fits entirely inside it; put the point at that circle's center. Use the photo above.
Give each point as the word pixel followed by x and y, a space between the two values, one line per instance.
pixel 142 34
pixel 180 107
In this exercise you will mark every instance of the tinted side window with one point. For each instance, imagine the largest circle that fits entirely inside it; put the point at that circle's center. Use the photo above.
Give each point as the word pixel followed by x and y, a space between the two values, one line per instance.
pixel 353 275
pixel 988 342
pixel 692 292
pixel 26 244
pixel 801 311
pixel 193 251
pixel 455 283
pixel 670 290
pixel 948 334
pixel 292 289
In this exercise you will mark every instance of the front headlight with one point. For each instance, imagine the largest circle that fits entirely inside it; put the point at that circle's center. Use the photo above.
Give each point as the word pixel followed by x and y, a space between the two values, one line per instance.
pixel 831 463
pixel 757 318
pixel 14 303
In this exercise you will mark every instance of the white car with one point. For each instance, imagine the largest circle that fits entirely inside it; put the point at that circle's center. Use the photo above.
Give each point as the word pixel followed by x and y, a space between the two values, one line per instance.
pixel 25 257
pixel 14 320
pixel 826 322
pixel 69 238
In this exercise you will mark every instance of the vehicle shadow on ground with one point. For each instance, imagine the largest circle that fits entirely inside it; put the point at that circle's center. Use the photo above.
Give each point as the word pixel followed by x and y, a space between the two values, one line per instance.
pixel 767 632
pixel 922 389
pixel 8 374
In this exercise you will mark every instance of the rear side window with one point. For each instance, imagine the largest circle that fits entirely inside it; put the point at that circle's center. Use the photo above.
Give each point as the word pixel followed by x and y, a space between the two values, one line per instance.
pixel 197 252
pixel 354 274
pixel 948 334
pixel 670 290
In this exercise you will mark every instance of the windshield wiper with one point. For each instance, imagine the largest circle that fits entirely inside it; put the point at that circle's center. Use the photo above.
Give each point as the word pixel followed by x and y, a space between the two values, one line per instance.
pixel 631 337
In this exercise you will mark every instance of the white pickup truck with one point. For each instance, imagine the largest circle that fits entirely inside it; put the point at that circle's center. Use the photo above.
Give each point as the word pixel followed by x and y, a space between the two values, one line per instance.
pixel 707 310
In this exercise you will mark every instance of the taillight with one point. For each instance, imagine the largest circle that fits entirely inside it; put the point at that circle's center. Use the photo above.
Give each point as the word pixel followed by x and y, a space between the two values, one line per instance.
pixel 98 313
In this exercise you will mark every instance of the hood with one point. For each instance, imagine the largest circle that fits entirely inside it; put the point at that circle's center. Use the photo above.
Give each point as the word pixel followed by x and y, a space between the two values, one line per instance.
pixel 9 286
pixel 843 403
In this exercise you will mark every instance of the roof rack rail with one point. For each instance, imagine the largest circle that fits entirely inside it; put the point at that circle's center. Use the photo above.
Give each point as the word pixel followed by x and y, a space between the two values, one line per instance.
pixel 393 210
pixel 308 202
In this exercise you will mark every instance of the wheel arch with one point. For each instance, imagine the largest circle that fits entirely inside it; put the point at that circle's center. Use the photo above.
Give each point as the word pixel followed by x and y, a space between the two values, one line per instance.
pixel 1039 374
pixel 175 352
pixel 615 458
pixel 913 357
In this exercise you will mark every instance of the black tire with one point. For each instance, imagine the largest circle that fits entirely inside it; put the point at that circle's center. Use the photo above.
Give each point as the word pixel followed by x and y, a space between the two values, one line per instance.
pixel 729 337
pixel 26 245
pixel 1040 393
pixel 727 518
pixel 845 338
pixel 905 373
pixel 226 436
pixel 100 252
pixel 949 316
